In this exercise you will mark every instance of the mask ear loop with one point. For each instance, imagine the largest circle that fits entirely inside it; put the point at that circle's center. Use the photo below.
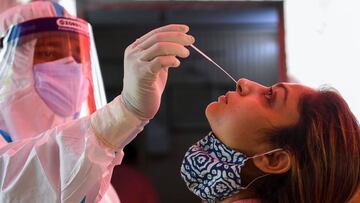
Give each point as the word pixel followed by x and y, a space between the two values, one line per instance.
pixel 257 178
pixel 269 152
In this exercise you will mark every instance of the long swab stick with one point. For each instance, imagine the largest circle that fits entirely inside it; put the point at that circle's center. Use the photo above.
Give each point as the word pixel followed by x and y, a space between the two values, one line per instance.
pixel 208 58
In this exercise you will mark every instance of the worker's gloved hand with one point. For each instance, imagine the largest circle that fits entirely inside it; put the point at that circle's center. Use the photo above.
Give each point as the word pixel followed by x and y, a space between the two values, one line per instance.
pixel 146 64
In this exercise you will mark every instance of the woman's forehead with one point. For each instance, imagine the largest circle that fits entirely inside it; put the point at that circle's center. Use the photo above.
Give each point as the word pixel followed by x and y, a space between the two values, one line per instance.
pixel 298 86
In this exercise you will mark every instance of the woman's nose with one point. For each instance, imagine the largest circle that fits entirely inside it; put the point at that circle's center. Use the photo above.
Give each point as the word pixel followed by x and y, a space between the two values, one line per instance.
pixel 242 86
pixel 245 87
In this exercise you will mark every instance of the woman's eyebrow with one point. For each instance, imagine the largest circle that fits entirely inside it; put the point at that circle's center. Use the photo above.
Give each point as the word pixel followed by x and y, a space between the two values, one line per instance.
pixel 286 90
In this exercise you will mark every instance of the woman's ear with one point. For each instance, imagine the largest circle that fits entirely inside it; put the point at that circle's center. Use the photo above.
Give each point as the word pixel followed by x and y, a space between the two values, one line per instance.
pixel 275 163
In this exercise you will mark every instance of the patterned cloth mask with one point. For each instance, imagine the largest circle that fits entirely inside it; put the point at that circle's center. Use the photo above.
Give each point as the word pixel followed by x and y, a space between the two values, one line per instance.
pixel 211 170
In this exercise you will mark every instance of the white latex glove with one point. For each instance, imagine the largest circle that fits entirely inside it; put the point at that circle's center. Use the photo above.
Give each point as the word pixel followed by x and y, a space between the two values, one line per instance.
pixel 146 66
pixel 145 74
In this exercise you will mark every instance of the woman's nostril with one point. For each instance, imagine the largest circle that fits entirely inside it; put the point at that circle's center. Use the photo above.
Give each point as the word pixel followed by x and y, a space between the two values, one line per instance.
pixel 238 87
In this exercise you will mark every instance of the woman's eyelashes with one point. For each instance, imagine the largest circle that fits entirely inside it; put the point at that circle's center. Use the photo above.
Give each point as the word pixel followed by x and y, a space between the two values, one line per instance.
pixel 269 95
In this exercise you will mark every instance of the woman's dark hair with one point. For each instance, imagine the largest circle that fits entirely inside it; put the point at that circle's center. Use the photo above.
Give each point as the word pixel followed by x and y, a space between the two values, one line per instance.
pixel 324 147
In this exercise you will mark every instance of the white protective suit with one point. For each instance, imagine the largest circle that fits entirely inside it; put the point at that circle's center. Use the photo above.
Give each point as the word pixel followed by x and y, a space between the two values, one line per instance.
pixel 47 156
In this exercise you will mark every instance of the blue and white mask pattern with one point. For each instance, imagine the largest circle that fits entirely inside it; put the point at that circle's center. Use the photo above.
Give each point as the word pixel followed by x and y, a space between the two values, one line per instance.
pixel 211 170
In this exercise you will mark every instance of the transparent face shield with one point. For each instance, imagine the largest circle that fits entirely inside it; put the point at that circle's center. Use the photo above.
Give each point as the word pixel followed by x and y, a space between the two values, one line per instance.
pixel 55 60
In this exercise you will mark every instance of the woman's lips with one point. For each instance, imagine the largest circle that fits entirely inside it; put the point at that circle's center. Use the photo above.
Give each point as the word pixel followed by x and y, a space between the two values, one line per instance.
pixel 222 99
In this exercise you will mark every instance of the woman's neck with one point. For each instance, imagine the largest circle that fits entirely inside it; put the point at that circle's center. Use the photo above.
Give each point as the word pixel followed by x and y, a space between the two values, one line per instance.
pixel 249 176
pixel 243 194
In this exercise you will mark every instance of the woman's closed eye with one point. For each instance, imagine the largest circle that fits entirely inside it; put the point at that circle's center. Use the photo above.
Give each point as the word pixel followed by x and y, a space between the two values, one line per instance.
pixel 269 95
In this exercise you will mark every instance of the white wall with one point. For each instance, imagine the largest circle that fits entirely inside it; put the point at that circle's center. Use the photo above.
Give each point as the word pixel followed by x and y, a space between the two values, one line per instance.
pixel 323 45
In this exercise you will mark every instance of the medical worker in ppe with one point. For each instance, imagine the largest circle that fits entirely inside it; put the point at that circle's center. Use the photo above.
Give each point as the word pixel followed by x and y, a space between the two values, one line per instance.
pixel 59 139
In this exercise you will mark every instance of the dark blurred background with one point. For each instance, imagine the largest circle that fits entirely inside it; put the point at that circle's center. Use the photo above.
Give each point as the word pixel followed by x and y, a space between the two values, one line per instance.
pixel 246 38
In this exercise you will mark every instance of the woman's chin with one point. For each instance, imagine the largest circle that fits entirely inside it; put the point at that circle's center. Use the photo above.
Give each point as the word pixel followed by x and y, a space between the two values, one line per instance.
pixel 212 114
pixel 210 110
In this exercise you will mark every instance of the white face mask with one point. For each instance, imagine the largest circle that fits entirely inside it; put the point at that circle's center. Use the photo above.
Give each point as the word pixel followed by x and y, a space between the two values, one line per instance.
pixel 211 170
pixel 62 85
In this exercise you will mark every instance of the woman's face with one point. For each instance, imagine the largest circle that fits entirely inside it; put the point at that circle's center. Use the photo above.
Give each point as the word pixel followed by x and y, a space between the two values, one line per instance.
pixel 239 117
